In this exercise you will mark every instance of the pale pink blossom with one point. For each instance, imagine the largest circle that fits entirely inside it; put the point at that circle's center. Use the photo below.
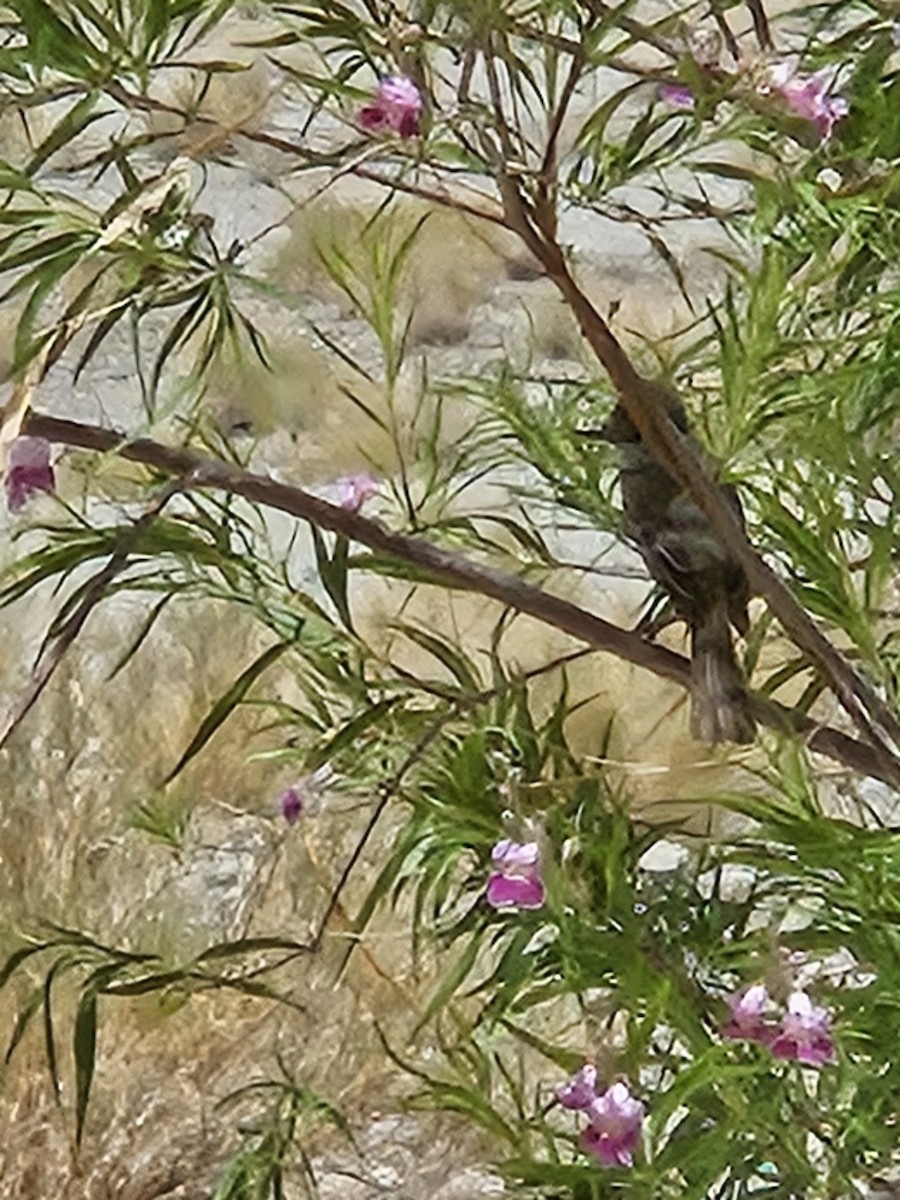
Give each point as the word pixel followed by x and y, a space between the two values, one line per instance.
pixel 516 879
pixel 747 1020
pixel 29 471
pixel 615 1127
pixel 354 490
pixel 808 96
pixel 581 1090
pixel 395 108
pixel 804 1033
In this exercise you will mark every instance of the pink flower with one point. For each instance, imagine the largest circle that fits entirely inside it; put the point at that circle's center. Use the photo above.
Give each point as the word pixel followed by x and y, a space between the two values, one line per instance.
pixel 804 1033
pixel 354 490
pixel 29 471
pixel 747 1010
pixel 516 879
pixel 807 95
pixel 615 1127
pixel 679 95
pixel 581 1090
pixel 304 798
pixel 396 108
pixel 291 805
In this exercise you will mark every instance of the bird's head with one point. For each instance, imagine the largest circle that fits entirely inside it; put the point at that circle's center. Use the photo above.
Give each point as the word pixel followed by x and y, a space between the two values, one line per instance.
pixel 621 430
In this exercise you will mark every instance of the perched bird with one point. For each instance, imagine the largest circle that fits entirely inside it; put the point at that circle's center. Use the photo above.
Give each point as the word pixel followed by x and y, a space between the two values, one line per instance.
pixel 707 588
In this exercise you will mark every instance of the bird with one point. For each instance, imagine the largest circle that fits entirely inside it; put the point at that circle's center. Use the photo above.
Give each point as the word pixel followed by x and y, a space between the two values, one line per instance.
pixel 707 588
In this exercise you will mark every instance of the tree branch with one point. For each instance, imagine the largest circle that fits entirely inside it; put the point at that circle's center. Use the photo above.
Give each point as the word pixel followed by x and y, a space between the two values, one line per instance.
pixel 640 398
pixel 853 691
pixel 448 569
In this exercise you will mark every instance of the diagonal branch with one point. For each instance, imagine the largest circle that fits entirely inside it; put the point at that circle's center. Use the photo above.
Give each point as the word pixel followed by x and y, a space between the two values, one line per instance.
pixel 641 400
pixel 449 570
pixel 854 692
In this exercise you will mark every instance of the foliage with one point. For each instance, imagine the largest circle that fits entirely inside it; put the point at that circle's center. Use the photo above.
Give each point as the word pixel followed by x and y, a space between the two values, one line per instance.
pixel 556 110
pixel 274 1137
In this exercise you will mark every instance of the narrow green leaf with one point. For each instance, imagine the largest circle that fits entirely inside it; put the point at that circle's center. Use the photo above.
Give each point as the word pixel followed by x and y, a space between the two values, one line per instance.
pixel 49 1037
pixel 451 658
pixel 451 982
pixel 85 1049
pixel 333 572
pixel 78 117
pixel 160 981
pixel 226 704
pixel 114 313
pixel 250 945
pixel 130 651
pixel 181 331
pixel 348 733
pixel 23 1020
pixel 16 959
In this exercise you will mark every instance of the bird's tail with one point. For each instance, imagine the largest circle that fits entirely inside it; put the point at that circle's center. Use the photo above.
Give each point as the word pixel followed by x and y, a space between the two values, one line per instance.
pixel 720 709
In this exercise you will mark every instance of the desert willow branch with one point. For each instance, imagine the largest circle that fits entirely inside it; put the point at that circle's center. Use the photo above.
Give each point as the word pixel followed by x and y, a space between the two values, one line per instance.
pixel 867 710
pixel 485 209
pixel 447 569
pixel 637 396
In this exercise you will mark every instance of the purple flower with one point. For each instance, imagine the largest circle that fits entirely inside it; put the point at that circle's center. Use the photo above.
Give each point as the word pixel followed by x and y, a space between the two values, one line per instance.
pixel 808 97
pixel 354 490
pixel 396 108
pixel 804 1033
pixel 747 1010
pixel 581 1090
pixel 615 1127
pixel 516 879
pixel 678 95
pixel 291 805
pixel 304 798
pixel 29 471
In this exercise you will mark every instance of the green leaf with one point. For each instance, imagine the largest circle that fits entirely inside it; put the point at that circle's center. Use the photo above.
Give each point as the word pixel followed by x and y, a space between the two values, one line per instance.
pixel 49 1037
pixel 226 703
pixel 78 117
pixel 333 572
pixel 136 643
pixel 348 733
pixel 250 945
pixel 85 1050
pixel 23 1020
pixel 452 981
pixel 16 959
pixel 454 660
pixel 568 1061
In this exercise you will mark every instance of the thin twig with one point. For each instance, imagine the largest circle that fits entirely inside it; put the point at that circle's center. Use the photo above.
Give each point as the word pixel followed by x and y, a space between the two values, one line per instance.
pixel 295 150
pixel 547 176
pixel 731 42
pixel 636 29
pixel 761 25
pixel 388 790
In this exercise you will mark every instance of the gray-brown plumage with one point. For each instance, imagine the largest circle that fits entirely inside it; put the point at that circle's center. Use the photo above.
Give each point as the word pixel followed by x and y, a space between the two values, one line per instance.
pixel 708 589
